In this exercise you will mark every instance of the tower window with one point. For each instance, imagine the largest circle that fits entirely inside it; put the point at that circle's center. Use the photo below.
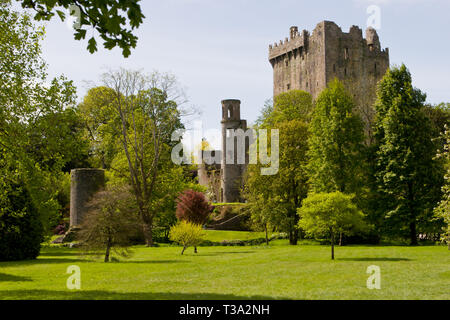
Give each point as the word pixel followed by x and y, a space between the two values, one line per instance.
pixel 375 67
pixel 345 71
pixel 346 55
pixel 229 113
pixel 334 68
pixel 289 86
pixel 287 62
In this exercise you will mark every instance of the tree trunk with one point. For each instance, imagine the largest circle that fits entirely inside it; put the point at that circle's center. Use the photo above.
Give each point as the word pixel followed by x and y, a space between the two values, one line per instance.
pixel 293 236
pixel 108 249
pixel 413 233
pixel 182 251
pixel 332 244
pixel 267 236
pixel 148 234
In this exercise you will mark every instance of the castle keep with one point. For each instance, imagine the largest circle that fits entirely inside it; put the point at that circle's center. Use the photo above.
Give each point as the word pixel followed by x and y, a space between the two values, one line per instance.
pixel 308 62
pixel 305 62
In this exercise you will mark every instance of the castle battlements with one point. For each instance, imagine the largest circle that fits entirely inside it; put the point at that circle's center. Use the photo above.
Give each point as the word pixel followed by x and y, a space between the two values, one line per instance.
pixel 308 62
pixel 300 41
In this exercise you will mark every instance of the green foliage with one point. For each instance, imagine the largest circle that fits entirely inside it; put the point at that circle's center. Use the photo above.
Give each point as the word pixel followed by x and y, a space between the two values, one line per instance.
pixel 186 234
pixel 38 128
pixel 114 20
pixel 110 223
pixel 408 180
pixel 274 199
pixel 443 209
pixel 20 227
pixel 330 214
pixel 99 120
pixel 291 105
pixel 131 130
pixel 336 142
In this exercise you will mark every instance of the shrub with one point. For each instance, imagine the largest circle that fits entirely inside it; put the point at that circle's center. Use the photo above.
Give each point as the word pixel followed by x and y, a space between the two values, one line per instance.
pixel 21 231
pixel 186 234
pixel 110 223
pixel 192 206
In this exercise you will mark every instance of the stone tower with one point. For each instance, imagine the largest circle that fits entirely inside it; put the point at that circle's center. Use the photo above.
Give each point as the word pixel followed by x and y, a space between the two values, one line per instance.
pixel 232 169
pixel 308 62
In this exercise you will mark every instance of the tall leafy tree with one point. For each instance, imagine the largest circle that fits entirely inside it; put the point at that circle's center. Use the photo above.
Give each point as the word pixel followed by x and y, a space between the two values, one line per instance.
pixel 336 142
pixel 408 179
pixel 148 112
pixel 281 194
pixel 36 130
pixel 443 209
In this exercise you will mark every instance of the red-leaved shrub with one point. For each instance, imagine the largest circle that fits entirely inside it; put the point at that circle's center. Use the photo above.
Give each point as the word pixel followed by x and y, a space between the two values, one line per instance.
pixel 192 206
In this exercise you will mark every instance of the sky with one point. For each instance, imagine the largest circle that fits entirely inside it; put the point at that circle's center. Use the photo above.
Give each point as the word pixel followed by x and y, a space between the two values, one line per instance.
pixel 218 49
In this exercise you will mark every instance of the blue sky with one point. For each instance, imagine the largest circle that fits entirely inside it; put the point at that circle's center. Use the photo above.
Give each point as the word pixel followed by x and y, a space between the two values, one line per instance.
pixel 218 48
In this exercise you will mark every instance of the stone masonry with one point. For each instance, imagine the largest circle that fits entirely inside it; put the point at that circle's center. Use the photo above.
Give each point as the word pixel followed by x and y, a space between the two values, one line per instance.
pixel 308 62
pixel 221 171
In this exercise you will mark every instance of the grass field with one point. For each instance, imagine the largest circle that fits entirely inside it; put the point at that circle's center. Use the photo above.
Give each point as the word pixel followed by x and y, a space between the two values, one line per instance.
pixel 276 272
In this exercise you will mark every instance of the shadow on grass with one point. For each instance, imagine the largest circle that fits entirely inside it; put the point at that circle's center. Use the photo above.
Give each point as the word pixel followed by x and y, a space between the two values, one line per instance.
pixel 210 254
pixel 374 259
pixel 12 278
pixel 42 261
pixel 48 253
pixel 110 295
pixel 149 261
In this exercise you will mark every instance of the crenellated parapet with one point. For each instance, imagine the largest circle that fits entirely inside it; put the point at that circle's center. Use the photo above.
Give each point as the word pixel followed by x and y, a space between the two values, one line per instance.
pixel 295 42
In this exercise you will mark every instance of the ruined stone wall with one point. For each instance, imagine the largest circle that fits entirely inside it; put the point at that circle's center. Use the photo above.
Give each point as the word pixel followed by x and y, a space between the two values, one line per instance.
pixel 84 184
pixel 210 174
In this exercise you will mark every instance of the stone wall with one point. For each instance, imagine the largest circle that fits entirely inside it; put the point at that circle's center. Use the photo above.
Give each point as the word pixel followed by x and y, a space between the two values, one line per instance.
pixel 308 62
pixel 84 184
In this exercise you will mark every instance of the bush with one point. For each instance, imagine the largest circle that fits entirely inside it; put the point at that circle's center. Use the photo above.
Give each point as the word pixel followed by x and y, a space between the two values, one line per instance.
pixel 192 206
pixel 110 223
pixel 187 235
pixel 21 231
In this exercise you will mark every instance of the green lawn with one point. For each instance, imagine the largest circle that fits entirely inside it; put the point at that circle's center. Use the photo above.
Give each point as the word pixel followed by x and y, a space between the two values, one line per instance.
pixel 275 272
pixel 218 236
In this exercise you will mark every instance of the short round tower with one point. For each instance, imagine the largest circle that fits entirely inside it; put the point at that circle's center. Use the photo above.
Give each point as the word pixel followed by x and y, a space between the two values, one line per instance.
pixel 231 171
pixel 84 184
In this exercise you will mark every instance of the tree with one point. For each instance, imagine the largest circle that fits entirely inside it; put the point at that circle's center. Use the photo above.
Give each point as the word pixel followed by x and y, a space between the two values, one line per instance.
pixel 114 20
pixel 99 117
pixel 21 230
pixel 443 209
pixel 408 180
pixel 330 214
pixel 193 207
pixel 274 199
pixel 291 105
pixel 109 224
pixel 148 112
pixel 187 234
pixel 336 142
pixel 37 134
